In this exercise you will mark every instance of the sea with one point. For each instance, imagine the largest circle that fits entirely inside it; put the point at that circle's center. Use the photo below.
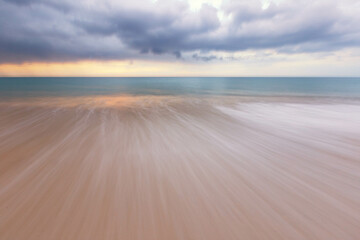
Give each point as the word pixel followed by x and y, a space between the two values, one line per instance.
pixel 186 86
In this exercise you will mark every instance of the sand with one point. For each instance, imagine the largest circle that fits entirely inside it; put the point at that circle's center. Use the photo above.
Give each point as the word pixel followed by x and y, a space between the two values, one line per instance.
pixel 156 168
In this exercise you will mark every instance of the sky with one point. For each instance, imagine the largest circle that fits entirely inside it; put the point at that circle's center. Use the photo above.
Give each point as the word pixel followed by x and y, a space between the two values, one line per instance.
pixel 180 38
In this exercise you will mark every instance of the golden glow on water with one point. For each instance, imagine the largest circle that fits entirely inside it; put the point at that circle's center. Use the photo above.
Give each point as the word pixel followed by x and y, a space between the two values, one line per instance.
pixel 96 101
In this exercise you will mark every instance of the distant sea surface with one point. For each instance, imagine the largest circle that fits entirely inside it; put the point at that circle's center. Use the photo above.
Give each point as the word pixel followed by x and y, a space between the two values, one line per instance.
pixel 180 158
pixel 229 86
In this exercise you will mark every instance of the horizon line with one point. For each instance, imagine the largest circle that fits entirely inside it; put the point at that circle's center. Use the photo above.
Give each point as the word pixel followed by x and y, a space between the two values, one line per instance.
pixel 270 76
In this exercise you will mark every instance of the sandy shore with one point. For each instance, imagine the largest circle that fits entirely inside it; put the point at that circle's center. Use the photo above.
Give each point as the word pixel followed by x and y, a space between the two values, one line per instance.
pixel 169 168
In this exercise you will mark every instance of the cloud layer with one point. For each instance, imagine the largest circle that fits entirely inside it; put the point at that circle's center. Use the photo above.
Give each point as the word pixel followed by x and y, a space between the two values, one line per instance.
pixel 49 30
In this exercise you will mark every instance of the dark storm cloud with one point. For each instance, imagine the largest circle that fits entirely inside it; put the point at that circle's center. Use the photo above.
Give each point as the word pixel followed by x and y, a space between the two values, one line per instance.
pixel 157 33
pixel 39 30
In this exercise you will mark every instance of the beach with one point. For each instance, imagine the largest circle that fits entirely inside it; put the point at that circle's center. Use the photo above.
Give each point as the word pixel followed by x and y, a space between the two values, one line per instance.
pixel 179 120
pixel 174 167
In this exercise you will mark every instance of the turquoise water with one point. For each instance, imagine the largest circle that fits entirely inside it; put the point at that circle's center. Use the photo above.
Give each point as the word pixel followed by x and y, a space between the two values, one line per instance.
pixel 224 86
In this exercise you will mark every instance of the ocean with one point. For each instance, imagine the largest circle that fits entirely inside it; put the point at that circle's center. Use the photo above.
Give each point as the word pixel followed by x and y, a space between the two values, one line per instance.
pixel 193 86
pixel 180 158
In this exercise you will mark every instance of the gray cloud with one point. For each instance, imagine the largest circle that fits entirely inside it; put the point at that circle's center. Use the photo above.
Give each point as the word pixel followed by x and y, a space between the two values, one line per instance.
pixel 21 2
pixel 205 58
pixel 39 30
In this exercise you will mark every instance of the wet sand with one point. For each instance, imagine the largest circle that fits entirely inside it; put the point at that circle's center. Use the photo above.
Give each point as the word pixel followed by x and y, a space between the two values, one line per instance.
pixel 153 168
